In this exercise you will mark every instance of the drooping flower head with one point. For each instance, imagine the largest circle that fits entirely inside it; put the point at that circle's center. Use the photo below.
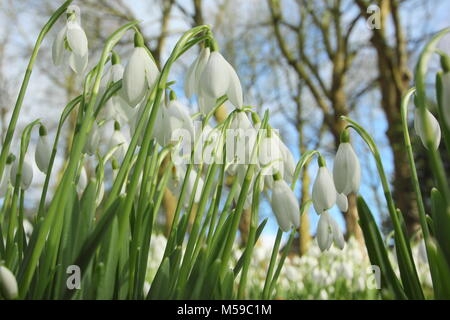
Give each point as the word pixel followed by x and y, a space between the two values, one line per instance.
pixel 211 77
pixel 328 231
pixel 27 173
pixel 285 204
pixel 346 168
pixel 43 150
pixel 71 43
pixel 323 192
pixel 433 125
pixel 140 73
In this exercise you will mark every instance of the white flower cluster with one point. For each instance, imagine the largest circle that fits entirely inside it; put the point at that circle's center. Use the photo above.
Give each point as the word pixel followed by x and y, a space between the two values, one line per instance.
pixel 330 190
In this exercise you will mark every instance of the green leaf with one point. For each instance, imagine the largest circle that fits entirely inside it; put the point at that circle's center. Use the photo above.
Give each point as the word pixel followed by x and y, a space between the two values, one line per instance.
pixel 441 222
pixel 377 251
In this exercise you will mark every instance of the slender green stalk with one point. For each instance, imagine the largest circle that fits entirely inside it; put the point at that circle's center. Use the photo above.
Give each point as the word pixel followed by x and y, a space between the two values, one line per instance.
pixel 412 165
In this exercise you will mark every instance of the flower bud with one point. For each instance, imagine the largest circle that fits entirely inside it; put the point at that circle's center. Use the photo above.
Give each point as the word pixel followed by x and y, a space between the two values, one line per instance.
pixel 433 125
pixel 43 151
pixel 27 173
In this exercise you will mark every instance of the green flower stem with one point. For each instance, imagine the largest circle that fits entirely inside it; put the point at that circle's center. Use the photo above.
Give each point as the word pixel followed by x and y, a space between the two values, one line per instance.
pixel 402 243
pixel 286 250
pixel 16 111
pixel 251 239
pixel 70 106
pixel 415 179
pixel 273 259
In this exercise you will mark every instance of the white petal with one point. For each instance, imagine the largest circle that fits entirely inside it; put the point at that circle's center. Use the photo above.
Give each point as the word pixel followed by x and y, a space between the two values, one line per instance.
pixel 134 77
pixel 116 72
pixel 27 173
pixel 43 153
pixel 78 63
pixel 234 91
pixel 269 154
pixel 346 170
pixel 93 140
pixel 76 37
pixel 82 181
pixel 279 206
pixel 432 123
pixel 215 78
pixel 324 233
pixel 189 81
pixel 338 237
pixel 202 61
pixel 179 118
pixel 58 47
pixel 118 139
pixel 324 192
pixel 190 189
pixel 206 104
pixel 151 72
pixel 342 202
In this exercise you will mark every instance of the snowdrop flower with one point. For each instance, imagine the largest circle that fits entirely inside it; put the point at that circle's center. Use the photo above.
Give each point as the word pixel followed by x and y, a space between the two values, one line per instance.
pixel 288 161
pixel 446 97
pixel 140 73
pixel 285 205
pixel 82 181
pixel 175 184
pixel 190 187
pixel 328 231
pixel 5 179
pixel 173 123
pixel 346 168
pixel 342 202
pixel 27 173
pixel 43 151
pixel 72 41
pixel 433 125
pixel 269 154
pixel 116 108
pixel 8 284
pixel 219 78
pixel 118 139
pixel 323 192
pixel 191 83
pixel 243 136
pixel 93 140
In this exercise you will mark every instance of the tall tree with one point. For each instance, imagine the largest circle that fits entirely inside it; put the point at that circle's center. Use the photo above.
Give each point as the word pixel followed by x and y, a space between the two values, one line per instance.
pixel 394 78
